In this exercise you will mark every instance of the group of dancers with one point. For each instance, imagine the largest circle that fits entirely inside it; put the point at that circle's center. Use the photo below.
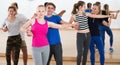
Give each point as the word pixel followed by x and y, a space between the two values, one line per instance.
pixel 90 23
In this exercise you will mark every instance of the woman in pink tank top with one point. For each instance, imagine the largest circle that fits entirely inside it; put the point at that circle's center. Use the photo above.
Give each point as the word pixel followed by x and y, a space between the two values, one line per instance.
pixel 39 29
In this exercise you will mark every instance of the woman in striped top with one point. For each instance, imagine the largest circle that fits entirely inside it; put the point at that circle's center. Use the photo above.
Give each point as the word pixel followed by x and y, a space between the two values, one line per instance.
pixel 83 33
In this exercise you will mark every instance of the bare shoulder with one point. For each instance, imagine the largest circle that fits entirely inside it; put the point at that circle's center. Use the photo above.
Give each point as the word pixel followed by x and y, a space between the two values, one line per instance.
pixel 32 21
pixel 73 16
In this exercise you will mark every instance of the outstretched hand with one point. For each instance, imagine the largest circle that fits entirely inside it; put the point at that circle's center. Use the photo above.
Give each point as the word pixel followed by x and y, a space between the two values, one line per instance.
pixel 66 26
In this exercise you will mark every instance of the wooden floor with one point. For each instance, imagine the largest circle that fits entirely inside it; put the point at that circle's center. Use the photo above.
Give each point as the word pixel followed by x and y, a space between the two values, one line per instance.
pixel 30 62
pixel 69 60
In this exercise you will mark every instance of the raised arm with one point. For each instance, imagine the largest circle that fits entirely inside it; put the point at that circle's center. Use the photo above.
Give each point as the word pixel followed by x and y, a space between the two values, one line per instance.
pixel 60 26
pixel 26 26
pixel 61 13
pixel 34 16
pixel 64 22
pixel 114 11
pixel 96 16
pixel 115 17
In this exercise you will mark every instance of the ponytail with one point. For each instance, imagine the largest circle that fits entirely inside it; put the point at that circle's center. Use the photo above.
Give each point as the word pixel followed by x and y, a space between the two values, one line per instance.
pixel 74 9
pixel 76 6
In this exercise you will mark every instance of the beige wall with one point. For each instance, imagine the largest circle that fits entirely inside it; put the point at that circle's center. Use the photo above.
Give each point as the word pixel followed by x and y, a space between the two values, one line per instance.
pixel 67 37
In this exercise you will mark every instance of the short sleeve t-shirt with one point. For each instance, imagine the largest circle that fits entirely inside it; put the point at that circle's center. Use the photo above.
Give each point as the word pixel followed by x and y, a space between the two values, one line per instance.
pixel 53 33
pixel 23 20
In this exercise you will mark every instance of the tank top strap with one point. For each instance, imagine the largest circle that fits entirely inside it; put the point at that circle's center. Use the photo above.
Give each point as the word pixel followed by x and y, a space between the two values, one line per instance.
pixel 46 21
pixel 36 20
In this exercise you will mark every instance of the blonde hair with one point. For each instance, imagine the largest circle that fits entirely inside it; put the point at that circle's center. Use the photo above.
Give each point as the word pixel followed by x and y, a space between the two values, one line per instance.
pixel 99 7
pixel 41 6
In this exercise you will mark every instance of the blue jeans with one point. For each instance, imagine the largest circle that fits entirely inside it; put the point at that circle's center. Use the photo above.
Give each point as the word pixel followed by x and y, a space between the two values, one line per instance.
pixel 99 44
pixel 106 29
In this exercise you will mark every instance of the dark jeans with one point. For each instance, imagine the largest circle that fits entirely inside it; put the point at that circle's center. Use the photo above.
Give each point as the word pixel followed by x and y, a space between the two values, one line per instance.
pixel 83 42
pixel 106 29
pixel 56 50
pixel 13 42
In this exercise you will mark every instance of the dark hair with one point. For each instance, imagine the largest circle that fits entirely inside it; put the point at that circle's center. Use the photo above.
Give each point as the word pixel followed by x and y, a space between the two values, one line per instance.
pixel 98 3
pixel 50 3
pixel 74 9
pixel 15 4
pixel 11 7
pixel 89 5
pixel 106 7
pixel 45 3
pixel 76 6
pixel 80 3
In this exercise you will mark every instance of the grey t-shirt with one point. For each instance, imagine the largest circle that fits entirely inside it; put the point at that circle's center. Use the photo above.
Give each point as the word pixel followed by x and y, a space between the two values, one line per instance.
pixel 23 19
pixel 14 27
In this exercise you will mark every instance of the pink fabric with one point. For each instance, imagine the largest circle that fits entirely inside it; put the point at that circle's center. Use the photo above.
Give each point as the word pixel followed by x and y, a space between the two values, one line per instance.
pixel 39 34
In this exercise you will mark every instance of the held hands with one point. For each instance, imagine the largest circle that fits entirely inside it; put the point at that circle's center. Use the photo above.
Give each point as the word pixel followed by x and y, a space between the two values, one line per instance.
pixel 61 13
pixel 75 25
pixel 66 25
pixel 113 16
pixel 29 33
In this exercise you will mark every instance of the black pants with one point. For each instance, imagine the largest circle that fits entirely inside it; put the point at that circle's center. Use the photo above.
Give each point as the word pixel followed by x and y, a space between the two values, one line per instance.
pixel 13 42
pixel 56 50
pixel 83 42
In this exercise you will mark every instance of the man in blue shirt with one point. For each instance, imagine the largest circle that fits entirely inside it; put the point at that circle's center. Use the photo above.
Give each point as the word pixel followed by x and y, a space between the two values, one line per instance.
pixel 53 35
